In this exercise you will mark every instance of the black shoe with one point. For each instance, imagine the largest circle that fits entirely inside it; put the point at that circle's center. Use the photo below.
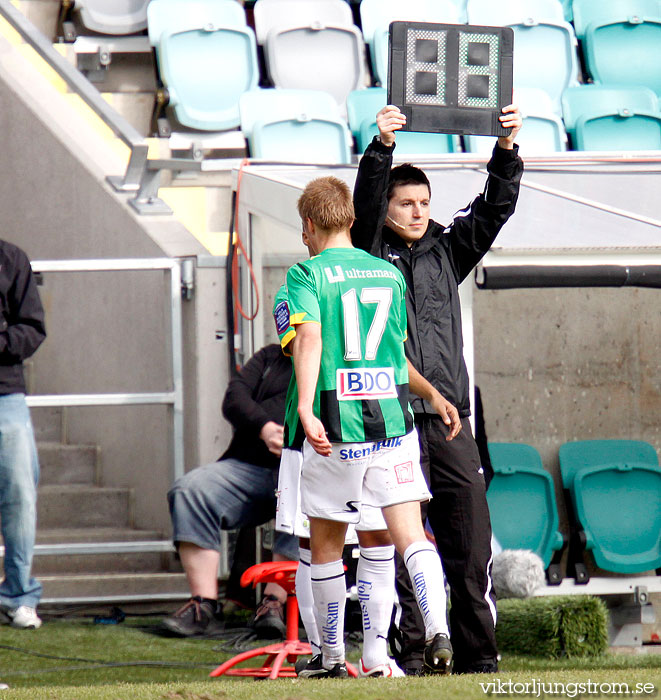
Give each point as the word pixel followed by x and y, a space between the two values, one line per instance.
pixel 437 656
pixel 480 667
pixel 315 669
pixel 269 620
pixel 304 661
pixel 199 617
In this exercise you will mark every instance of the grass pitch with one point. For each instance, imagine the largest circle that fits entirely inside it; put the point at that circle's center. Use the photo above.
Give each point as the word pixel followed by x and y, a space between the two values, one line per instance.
pixel 78 660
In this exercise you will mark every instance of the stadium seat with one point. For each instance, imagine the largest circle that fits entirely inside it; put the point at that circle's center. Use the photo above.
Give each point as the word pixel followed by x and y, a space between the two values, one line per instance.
pixel 606 118
pixel 522 504
pixel 300 126
pixel 545 53
pixel 165 15
pixel 317 57
pixel 376 16
pixel 207 58
pixel 585 12
pixel 613 492
pixel 291 13
pixel 115 17
pixel 362 106
pixel 543 131
pixel 497 14
pixel 625 50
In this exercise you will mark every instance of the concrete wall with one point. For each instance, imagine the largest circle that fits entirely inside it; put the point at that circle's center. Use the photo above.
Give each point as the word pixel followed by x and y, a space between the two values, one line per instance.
pixel 556 365
pixel 108 332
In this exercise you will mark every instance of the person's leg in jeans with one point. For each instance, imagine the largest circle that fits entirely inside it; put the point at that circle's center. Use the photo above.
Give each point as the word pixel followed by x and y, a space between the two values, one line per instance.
pixel 220 496
pixel 19 475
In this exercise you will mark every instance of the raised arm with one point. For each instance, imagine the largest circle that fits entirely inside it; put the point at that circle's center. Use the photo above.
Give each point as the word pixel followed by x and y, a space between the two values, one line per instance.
pixel 369 194
pixel 475 228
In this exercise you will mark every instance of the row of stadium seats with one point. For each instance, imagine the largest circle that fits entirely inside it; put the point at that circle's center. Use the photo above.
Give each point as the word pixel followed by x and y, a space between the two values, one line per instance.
pixel 207 57
pixel 612 491
pixel 300 125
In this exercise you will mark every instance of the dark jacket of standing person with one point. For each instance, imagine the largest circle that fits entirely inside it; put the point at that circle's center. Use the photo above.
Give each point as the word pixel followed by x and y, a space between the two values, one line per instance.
pixel 435 265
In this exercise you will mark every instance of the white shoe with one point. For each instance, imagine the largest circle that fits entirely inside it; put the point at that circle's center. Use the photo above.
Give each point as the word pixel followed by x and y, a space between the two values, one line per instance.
pixel 24 617
pixel 388 670
pixel 4 686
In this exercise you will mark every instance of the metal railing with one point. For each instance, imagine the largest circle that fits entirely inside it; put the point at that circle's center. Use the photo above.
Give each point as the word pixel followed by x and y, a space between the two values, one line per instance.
pixel 173 398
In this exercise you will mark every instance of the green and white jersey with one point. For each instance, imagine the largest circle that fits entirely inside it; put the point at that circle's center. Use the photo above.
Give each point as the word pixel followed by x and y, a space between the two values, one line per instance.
pixel 359 300
pixel 294 434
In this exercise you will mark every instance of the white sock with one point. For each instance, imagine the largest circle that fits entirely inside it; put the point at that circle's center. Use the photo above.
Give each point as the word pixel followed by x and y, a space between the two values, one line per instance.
pixel 306 602
pixel 426 572
pixel 375 581
pixel 329 590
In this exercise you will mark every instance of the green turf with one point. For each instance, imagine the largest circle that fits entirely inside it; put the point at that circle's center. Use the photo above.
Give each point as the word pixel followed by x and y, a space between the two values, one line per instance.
pixel 31 674
pixel 554 627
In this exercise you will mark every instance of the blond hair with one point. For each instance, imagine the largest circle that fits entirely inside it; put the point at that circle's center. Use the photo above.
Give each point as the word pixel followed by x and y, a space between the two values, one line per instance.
pixel 328 203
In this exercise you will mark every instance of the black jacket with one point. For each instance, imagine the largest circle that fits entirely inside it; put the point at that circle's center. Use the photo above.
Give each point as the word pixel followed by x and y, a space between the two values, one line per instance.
pixel 254 397
pixel 22 328
pixel 434 266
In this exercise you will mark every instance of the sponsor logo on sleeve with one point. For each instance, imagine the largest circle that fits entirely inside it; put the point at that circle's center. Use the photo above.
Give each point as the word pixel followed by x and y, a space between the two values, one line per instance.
pixel 366 383
pixel 281 317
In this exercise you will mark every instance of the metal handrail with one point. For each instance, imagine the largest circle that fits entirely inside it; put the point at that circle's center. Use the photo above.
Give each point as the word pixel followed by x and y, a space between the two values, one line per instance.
pixel 174 397
pixel 130 181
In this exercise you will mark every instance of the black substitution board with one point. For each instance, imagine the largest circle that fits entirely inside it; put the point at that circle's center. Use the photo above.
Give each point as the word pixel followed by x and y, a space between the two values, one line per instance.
pixel 451 78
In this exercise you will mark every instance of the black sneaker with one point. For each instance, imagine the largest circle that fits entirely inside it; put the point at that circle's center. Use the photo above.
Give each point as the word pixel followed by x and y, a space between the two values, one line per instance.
pixel 437 656
pixel 199 617
pixel 269 621
pixel 315 669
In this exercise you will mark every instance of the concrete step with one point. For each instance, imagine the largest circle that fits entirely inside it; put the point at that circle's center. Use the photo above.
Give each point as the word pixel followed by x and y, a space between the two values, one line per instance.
pixel 67 464
pixel 116 587
pixel 47 423
pixel 129 562
pixel 83 506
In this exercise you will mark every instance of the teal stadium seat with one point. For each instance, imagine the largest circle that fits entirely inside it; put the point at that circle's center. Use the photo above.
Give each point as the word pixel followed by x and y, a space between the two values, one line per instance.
pixel 543 131
pixel 362 106
pixel 522 504
pixel 612 117
pixel 585 12
pixel 625 49
pixel 299 126
pixel 614 489
pixel 207 58
pixel 376 16
pixel 545 45
pixel 115 17
pixel 497 14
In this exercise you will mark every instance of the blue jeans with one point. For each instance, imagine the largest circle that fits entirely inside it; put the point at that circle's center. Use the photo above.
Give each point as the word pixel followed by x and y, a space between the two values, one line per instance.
pixel 19 475
pixel 225 495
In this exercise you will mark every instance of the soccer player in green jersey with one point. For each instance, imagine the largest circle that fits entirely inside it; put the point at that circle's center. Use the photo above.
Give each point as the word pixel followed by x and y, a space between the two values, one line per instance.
pixel 348 311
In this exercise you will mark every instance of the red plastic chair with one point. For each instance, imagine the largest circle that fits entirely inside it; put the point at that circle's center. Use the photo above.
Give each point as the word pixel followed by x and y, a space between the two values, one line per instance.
pixel 282 573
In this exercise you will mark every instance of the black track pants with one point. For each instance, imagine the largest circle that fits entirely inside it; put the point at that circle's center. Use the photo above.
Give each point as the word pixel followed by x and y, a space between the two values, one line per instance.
pixel 459 518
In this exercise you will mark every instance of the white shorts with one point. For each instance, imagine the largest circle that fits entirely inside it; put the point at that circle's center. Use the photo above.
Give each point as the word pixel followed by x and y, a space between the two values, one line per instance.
pixel 289 517
pixel 376 474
